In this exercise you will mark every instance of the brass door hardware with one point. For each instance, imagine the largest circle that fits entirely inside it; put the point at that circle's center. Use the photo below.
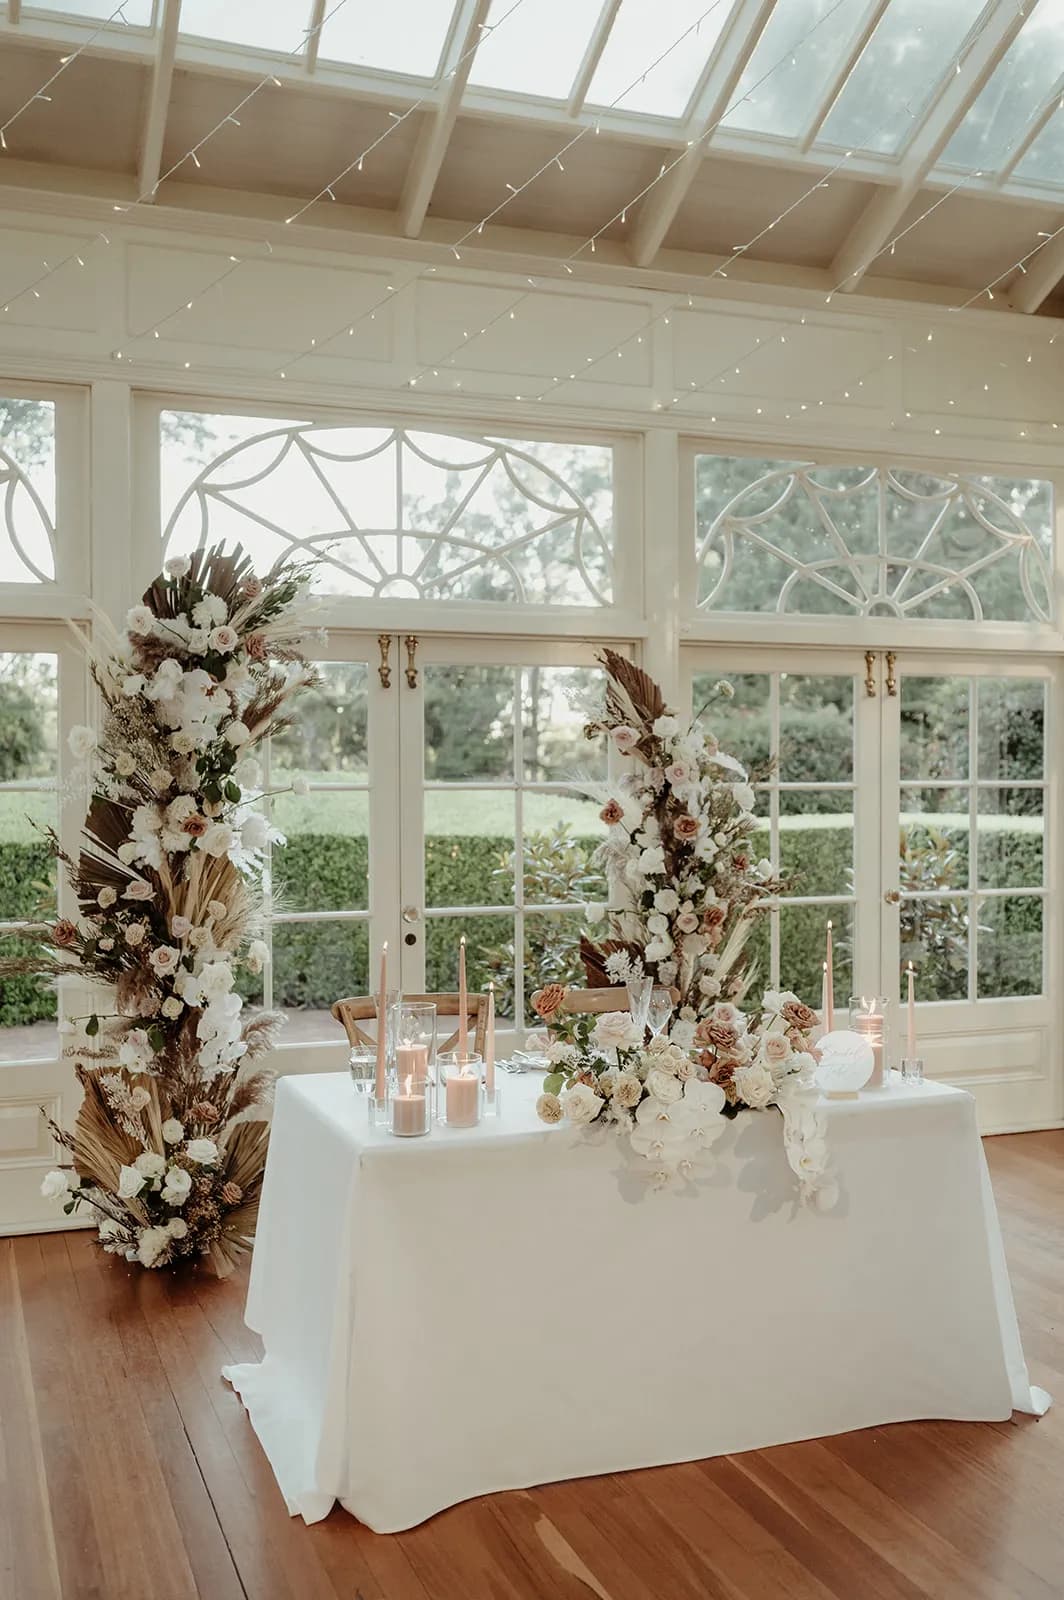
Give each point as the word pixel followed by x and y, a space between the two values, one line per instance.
pixel 892 897
pixel 384 671
pixel 892 682
pixel 870 673
pixel 411 643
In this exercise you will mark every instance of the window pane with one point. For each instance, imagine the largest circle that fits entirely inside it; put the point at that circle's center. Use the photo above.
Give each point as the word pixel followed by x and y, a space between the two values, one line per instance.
pixel 404 515
pixel 560 837
pixel 489 957
pixel 934 727
pixel 1010 946
pixel 803 935
pixel 556 704
pixel 934 842
pixel 137 12
pixel 866 541
pixel 800 47
pixel 742 725
pixel 327 741
pixel 469 847
pixel 469 723
pixel 934 937
pixel 1011 839
pixel 1044 161
pixel 816 729
pixel 315 964
pixel 643 31
pixel 910 51
pixel 325 864
pixel 262 24
pixel 1011 728
pixel 1026 76
pixel 535 49
pixel 816 842
pixel 404 36
pixel 27 491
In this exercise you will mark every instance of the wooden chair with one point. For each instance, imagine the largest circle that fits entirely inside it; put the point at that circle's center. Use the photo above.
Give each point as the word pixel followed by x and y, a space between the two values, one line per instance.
pixel 363 1008
pixel 591 1002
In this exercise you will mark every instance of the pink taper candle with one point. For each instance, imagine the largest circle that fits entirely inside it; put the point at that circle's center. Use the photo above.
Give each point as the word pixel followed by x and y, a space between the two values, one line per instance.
pixel 489 1043
pixel 382 1022
pixel 824 999
pixel 463 1004
pixel 829 968
pixel 911 1041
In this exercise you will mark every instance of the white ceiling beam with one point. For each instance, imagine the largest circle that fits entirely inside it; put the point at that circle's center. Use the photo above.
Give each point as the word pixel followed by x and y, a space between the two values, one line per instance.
pixel 1043 272
pixel 965 81
pixel 1042 117
pixel 837 80
pixel 151 145
pixel 592 56
pixel 733 50
pixel 439 124
pixel 313 44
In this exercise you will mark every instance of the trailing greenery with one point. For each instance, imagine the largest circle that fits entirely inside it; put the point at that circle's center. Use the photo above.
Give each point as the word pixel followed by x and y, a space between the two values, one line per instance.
pixel 315 963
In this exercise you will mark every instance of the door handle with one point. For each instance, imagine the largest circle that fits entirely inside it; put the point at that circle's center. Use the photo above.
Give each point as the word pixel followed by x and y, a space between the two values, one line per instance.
pixel 892 897
pixel 410 913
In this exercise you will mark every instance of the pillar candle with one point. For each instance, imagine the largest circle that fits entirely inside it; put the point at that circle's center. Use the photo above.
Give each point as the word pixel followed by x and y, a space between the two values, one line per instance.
pixel 463 1091
pixel 870 1024
pixel 408 1109
pixel 412 1061
pixel 489 1043
pixel 463 1004
pixel 911 1041
pixel 382 1023
pixel 829 967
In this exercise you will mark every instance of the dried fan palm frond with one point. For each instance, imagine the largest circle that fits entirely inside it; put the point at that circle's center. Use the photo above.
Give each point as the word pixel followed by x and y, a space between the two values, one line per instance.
pixel 100 1147
pixel 632 696
pixel 594 957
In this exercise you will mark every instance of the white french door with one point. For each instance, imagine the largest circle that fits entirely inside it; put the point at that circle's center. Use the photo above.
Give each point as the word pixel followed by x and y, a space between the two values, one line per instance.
pixel 913 800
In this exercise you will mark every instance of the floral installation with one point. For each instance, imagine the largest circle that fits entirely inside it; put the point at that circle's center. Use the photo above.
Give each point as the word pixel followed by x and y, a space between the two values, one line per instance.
pixel 169 1145
pixel 667 1098
pixel 684 884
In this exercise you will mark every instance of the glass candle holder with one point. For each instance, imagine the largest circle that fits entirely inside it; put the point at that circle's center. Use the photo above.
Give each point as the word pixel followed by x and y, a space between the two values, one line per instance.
pixel 362 1064
pixel 912 1069
pixel 410 1108
pixel 871 1017
pixel 413 1030
pixel 461 1102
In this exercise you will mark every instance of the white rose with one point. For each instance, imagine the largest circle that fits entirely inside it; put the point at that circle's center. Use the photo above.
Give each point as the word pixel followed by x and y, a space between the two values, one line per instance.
pixel 197 640
pixel 209 611
pixel 183 743
pixel 160 779
pixel 224 639
pixel 776 1048
pixel 150 1245
pixel 139 619
pixel 164 959
pixel 134 934
pixel 659 949
pixel 682 1034
pixel 666 900
pixel 657 924
pixel 125 765
pixel 55 1185
pixel 652 860
pixel 177 567
pixel 177 1228
pixel 549 1108
pixel 177 1186
pixel 625 739
pixel 106 897
pixel 237 734
pixel 139 1098
pixel 666 727
pixel 132 685
pixel 172 1008
pixel 615 1030
pixel 581 1104
pixel 180 927
pixel 255 832
pixel 130 1182
pixel 218 839
pixel 663 1086
pixel 687 922
pixel 755 1084
pixel 150 1165
pixel 259 950
pixel 202 1151
pixel 216 980
pixel 560 1054
pixel 138 890
pixel 173 1131
pixel 82 742
pixel 627 1090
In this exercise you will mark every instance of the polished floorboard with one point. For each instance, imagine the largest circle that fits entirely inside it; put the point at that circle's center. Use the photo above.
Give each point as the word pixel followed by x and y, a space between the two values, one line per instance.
pixel 128 1469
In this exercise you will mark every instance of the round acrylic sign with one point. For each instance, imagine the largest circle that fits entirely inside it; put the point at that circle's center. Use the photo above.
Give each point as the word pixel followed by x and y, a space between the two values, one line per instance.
pixel 846 1062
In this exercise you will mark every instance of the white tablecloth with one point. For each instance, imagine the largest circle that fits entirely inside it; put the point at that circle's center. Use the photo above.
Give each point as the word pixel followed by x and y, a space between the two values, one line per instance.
pixel 500 1307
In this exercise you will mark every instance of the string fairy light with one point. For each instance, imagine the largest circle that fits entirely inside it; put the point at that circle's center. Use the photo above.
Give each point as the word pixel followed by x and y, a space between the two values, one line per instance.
pixel 64 63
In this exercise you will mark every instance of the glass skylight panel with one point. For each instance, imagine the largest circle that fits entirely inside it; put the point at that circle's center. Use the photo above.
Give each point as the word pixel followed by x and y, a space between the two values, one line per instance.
pixel 1022 83
pixel 907 56
pixel 1044 161
pixel 137 12
pixel 278 25
pixel 798 51
pixel 535 48
pixel 645 30
pixel 404 36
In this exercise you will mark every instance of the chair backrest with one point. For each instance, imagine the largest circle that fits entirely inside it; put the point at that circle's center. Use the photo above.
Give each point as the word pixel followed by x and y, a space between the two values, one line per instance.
pixel 363 1008
pixel 591 1002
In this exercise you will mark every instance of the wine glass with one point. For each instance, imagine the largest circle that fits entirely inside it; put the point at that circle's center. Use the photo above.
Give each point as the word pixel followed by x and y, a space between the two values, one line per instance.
pixel 639 990
pixel 660 1012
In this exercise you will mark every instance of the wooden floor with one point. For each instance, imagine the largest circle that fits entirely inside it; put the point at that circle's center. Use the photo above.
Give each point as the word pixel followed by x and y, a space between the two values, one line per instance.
pixel 128 1470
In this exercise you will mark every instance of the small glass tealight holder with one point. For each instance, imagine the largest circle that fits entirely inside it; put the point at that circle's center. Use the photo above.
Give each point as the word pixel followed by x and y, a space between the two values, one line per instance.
pixel 912 1069
pixel 409 1108
pixel 492 1102
pixel 362 1063
pixel 870 1016
pixel 461 1102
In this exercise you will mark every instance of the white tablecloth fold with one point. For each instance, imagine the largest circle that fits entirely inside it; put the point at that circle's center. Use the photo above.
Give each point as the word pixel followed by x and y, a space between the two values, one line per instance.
pixel 495 1308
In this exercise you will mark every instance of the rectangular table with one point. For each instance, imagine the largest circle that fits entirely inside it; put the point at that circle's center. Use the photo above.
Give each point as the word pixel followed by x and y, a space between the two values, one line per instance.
pixel 498 1307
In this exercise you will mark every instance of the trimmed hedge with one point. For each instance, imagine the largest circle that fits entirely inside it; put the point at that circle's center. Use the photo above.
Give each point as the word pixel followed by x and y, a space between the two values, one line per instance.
pixel 314 963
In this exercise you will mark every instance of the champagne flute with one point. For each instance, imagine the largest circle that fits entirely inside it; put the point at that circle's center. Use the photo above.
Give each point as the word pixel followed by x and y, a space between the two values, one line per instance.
pixel 639 1000
pixel 660 1012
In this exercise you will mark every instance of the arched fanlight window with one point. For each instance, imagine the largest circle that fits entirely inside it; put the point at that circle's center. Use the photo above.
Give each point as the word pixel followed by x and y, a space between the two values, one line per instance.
pixel 397 513
pixel 872 541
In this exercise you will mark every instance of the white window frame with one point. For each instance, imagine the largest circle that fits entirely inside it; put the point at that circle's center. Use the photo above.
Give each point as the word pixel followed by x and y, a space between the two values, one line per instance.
pixel 67 595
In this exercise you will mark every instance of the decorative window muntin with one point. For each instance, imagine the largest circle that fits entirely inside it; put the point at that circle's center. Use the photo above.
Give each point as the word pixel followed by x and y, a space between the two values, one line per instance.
pixel 803 539
pixel 27 491
pixel 402 513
